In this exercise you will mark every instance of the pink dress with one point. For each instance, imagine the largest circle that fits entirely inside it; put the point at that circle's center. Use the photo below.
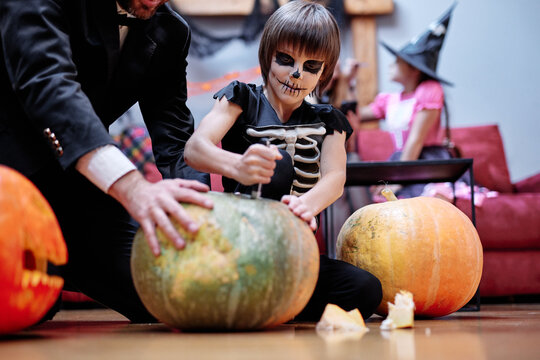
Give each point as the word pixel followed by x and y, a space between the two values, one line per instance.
pixel 400 109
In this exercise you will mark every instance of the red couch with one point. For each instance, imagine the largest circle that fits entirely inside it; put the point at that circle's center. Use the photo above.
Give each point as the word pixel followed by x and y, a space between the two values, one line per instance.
pixel 508 225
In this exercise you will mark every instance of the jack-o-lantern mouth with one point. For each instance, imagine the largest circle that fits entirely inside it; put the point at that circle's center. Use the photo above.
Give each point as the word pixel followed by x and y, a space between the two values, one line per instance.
pixel 35 272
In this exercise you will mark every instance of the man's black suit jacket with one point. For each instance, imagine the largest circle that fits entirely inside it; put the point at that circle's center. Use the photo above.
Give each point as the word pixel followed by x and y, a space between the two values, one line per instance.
pixel 62 72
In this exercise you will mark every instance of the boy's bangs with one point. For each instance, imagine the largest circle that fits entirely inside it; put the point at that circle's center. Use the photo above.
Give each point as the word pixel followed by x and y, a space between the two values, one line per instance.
pixel 315 43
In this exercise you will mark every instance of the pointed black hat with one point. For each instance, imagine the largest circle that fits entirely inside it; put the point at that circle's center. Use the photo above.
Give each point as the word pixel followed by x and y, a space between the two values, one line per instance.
pixel 422 52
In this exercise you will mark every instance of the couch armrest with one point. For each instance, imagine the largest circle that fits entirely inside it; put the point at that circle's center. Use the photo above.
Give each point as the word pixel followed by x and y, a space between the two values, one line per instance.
pixel 528 185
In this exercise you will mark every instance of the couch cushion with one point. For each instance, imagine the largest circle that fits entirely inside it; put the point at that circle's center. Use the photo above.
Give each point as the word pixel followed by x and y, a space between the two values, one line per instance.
pixel 510 273
pixel 508 221
pixel 484 144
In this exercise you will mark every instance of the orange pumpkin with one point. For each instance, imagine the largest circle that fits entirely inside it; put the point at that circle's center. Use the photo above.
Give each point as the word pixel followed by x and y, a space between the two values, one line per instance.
pixel 423 245
pixel 29 238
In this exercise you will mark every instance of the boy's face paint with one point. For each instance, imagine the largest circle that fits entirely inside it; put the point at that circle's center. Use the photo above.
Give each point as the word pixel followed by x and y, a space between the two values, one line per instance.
pixel 293 75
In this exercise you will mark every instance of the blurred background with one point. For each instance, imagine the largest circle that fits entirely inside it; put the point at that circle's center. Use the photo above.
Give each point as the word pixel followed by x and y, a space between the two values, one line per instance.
pixel 491 54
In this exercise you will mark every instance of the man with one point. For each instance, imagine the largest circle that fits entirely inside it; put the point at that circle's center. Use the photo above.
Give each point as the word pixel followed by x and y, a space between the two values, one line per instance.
pixel 68 69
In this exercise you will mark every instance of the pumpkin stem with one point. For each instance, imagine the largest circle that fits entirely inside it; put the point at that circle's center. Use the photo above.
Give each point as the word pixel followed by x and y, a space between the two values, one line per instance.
pixel 388 194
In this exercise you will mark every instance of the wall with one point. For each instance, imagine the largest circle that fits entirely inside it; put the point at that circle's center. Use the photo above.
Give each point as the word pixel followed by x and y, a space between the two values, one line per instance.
pixel 491 54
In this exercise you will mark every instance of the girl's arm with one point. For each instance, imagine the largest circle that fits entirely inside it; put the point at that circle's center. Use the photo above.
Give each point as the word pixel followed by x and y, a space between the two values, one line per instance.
pixel 256 165
pixel 366 113
pixel 421 125
pixel 330 187
pixel 362 113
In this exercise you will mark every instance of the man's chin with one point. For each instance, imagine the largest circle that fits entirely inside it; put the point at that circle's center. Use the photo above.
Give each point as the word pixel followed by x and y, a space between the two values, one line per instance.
pixel 143 14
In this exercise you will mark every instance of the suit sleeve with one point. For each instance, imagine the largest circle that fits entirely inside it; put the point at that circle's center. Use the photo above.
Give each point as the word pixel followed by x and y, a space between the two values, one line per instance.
pixel 164 108
pixel 37 55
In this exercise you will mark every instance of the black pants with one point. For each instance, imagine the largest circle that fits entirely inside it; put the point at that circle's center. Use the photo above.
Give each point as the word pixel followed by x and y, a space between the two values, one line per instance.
pixel 345 285
pixel 98 233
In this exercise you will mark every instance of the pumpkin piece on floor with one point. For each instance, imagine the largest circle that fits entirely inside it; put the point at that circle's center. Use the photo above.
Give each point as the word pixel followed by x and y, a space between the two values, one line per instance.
pixel 30 237
pixel 335 318
pixel 400 313
pixel 423 245
pixel 253 264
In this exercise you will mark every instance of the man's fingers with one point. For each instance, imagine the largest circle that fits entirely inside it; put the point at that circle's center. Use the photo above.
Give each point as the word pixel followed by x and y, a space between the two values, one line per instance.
pixel 150 234
pixel 180 214
pixel 192 184
pixel 165 225
pixel 192 196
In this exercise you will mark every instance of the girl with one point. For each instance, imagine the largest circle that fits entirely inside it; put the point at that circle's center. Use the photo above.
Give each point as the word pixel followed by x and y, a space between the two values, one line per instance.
pixel 413 116
pixel 305 162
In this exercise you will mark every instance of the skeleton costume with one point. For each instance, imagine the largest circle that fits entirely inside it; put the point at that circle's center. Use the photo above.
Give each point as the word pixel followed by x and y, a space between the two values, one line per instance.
pixel 299 139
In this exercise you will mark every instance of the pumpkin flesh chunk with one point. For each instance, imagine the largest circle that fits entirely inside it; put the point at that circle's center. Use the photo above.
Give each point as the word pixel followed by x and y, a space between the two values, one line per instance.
pixel 400 313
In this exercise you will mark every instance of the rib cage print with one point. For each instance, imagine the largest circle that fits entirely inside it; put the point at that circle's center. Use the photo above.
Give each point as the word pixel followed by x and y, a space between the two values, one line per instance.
pixel 302 145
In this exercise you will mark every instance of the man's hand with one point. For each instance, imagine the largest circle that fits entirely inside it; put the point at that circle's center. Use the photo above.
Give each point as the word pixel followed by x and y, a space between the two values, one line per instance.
pixel 297 206
pixel 257 164
pixel 151 203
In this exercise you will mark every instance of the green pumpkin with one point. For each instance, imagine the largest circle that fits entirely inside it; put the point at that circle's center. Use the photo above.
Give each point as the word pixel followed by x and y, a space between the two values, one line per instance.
pixel 253 264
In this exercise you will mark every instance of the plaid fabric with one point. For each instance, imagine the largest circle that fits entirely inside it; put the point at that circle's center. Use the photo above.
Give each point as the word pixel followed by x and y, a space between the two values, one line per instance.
pixel 135 143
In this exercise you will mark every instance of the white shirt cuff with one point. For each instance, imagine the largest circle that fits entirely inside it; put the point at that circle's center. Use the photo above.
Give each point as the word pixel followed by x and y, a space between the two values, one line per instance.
pixel 104 165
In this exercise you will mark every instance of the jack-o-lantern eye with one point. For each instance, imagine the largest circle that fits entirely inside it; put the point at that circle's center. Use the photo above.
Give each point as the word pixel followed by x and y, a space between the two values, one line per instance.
pixel 30 238
pixel 29 260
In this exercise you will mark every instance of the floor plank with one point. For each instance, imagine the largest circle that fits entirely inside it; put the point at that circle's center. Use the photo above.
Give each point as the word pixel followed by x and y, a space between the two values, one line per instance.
pixel 496 332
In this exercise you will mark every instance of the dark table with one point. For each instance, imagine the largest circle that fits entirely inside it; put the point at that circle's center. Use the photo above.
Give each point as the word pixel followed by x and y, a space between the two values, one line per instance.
pixel 406 172
pixel 367 173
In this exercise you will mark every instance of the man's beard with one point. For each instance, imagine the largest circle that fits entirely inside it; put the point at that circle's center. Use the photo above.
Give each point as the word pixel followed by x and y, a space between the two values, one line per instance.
pixel 138 11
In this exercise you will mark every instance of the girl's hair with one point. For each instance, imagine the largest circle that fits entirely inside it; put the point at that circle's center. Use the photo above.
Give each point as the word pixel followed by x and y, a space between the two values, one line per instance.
pixel 445 115
pixel 309 28
pixel 424 77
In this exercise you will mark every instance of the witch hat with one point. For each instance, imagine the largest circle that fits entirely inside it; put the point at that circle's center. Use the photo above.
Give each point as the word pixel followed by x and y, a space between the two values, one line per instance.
pixel 422 52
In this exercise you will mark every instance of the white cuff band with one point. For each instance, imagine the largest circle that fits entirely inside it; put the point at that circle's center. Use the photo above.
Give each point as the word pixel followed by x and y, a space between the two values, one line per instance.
pixel 104 165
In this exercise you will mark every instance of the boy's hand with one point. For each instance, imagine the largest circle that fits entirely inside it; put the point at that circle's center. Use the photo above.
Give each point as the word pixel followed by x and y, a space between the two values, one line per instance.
pixel 257 164
pixel 297 206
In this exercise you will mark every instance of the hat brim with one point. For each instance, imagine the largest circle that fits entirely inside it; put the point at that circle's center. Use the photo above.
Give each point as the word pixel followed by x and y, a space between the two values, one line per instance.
pixel 413 62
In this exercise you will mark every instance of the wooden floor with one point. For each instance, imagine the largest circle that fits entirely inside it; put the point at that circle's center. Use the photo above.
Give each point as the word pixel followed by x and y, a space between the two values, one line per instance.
pixel 496 332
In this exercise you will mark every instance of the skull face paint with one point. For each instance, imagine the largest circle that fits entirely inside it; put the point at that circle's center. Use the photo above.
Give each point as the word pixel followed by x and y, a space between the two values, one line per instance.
pixel 293 75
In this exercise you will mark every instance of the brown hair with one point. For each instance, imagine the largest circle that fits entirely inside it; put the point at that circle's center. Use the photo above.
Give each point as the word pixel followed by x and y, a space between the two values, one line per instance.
pixel 306 26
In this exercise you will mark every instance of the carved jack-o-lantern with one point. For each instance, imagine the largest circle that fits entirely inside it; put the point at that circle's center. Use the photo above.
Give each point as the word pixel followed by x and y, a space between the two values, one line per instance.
pixel 30 237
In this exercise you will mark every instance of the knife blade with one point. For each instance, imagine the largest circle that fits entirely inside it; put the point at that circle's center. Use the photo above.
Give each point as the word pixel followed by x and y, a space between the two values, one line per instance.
pixel 256 191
